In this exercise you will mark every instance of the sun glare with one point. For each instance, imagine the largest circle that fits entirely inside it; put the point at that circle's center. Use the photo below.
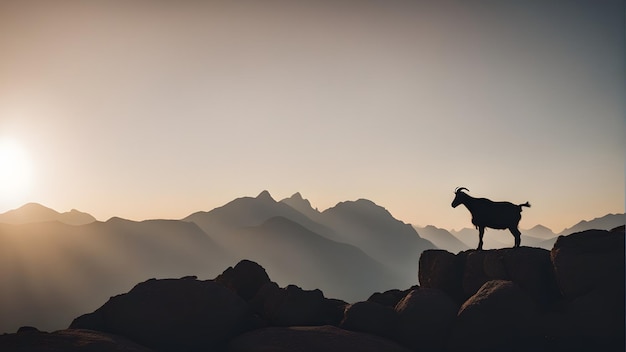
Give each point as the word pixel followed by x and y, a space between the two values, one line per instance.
pixel 15 171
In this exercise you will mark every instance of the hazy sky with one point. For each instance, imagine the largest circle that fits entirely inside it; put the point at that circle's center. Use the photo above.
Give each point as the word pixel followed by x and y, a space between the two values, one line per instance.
pixel 155 109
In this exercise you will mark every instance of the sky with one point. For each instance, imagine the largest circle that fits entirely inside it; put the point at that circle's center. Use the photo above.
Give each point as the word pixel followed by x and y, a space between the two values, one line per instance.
pixel 155 109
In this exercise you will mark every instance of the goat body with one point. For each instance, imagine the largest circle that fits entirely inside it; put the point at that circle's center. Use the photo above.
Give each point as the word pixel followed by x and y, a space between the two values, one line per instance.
pixel 495 215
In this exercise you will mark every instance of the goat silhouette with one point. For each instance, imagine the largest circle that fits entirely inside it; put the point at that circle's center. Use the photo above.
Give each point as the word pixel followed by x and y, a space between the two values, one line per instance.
pixel 487 213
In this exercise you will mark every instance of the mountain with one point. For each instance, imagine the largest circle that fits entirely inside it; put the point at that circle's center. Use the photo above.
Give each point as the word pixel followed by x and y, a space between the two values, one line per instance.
pixel 370 227
pixel 299 256
pixel 232 225
pixel 249 211
pixel 50 272
pixel 302 205
pixel 34 212
pixel 441 238
pixel 540 231
pixel 606 222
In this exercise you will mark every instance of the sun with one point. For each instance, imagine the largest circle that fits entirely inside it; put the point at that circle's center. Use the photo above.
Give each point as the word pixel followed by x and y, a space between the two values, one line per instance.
pixel 15 171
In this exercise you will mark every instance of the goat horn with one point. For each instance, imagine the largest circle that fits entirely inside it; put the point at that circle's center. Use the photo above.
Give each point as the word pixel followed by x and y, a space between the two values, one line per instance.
pixel 459 189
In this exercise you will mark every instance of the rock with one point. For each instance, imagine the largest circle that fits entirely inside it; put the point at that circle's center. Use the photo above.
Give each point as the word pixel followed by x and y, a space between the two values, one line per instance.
pixel 425 317
pixel 586 260
pixel 474 276
pixel 69 340
pixel 499 317
pixel 173 315
pixel 246 278
pixel 370 317
pixel 293 306
pixel 391 297
pixel 442 270
pixel 334 310
pixel 311 339
pixel 530 268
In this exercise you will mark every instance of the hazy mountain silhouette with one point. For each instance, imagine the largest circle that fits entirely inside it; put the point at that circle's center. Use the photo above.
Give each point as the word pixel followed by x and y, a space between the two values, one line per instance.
pixel 52 271
pixel 34 212
pixel 540 231
pixel 233 224
pixel 304 206
pixel 372 228
pixel 297 255
pixel 441 238
pixel 249 211
pixel 606 222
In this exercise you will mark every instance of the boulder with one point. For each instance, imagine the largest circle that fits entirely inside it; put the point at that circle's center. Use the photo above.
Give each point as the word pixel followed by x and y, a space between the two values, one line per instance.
pixel 311 339
pixel 474 275
pixel 529 267
pixel 293 306
pixel 173 315
pixel 499 317
pixel 370 317
pixel 389 298
pixel 246 278
pixel 586 260
pixel 441 270
pixel 69 340
pixel 425 317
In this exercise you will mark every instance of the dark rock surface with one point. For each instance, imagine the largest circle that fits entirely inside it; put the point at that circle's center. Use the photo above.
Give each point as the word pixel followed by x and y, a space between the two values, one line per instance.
pixel 425 317
pixel 499 317
pixel 70 340
pixel 524 299
pixel 370 317
pixel 589 269
pixel 246 278
pixel 173 315
pixel 311 339
pixel 586 260
pixel 293 306
pixel 389 298
pixel 442 270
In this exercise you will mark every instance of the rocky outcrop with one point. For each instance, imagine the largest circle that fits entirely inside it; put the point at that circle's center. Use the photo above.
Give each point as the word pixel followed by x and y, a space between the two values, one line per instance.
pixel 499 317
pixel 390 298
pixel 173 315
pixel 524 299
pixel 589 268
pixel 246 278
pixel 587 260
pixel 311 339
pixel 462 275
pixel 425 317
pixel 291 306
pixel 70 340
pixel 370 317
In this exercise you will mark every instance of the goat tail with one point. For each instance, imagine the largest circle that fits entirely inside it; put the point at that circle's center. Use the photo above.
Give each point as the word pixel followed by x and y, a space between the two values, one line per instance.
pixel 524 205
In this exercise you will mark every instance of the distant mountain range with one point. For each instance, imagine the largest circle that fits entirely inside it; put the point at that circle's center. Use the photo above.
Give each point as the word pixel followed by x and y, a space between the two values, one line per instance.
pixel 33 212
pixel 55 266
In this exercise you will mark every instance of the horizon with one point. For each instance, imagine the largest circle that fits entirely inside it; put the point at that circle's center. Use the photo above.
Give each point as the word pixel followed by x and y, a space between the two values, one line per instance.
pixel 529 227
pixel 160 110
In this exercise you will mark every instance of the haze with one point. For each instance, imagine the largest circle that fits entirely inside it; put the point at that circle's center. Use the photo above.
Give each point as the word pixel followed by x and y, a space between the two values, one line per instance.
pixel 158 110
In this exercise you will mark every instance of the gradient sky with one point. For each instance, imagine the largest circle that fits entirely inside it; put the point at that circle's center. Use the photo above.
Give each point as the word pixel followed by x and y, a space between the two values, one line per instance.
pixel 154 109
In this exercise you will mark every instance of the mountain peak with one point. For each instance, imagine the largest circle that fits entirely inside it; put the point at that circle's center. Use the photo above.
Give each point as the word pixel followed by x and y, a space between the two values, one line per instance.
pixel 296 196
pixel 265 195
pixel 35 212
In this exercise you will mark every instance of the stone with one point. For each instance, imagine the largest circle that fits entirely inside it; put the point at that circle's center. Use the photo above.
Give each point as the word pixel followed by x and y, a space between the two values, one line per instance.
pixel 173 315
pixel 246 278
pixel 425 317
pixel 311 339
pixel 370 317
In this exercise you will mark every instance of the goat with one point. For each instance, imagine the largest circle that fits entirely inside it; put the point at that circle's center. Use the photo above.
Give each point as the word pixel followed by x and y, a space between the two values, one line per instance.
pixel 487 213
